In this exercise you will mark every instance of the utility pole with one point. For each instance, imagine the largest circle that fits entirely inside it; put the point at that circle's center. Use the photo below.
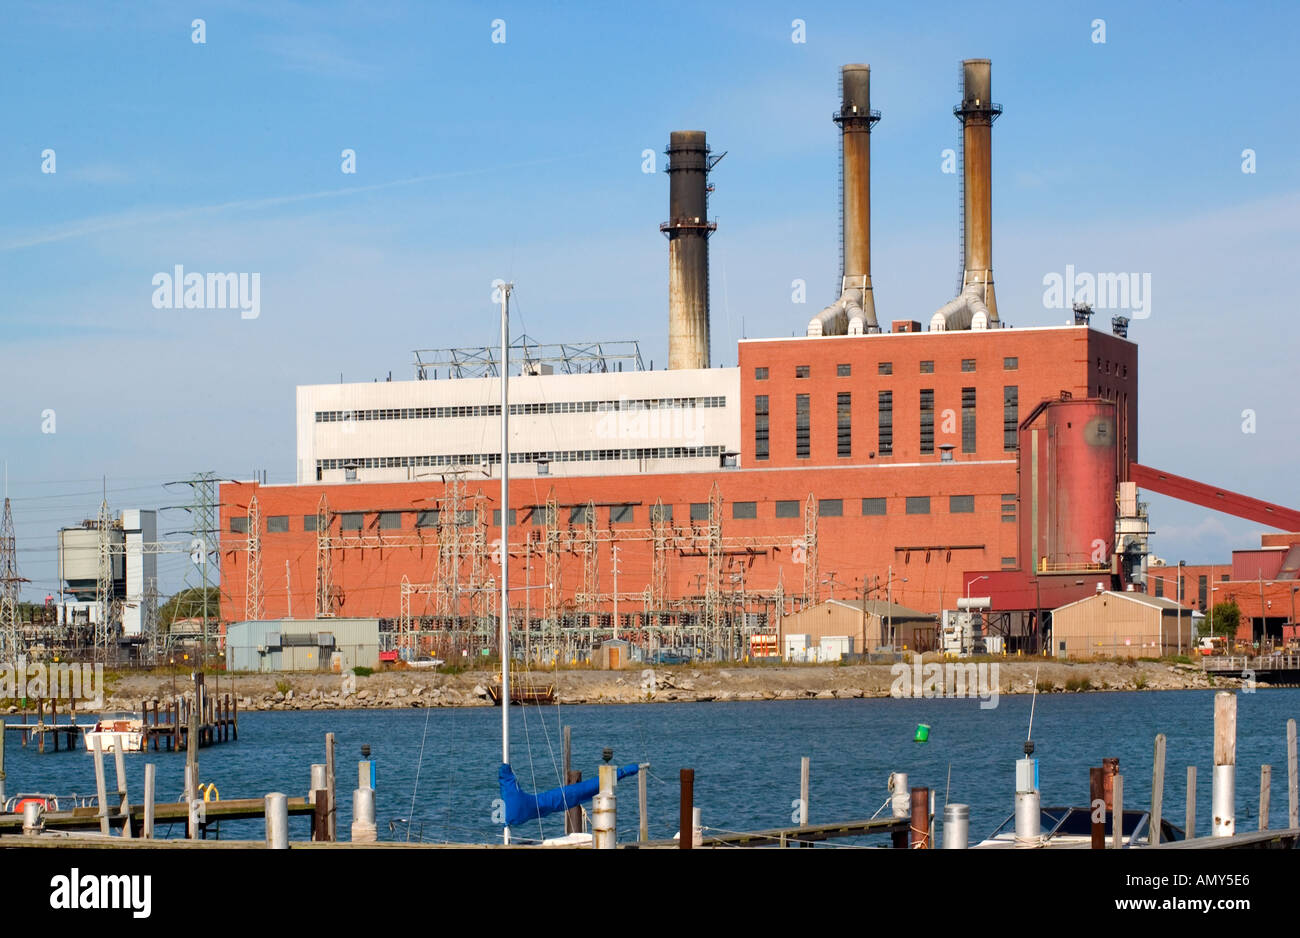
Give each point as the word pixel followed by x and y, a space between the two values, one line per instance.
pixel 615 551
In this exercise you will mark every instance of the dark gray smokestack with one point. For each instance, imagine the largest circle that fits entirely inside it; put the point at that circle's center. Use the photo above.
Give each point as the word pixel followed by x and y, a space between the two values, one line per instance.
pixel 688 229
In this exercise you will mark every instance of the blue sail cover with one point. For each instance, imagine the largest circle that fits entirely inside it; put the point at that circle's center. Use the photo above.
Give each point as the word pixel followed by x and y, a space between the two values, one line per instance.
pixel 522 806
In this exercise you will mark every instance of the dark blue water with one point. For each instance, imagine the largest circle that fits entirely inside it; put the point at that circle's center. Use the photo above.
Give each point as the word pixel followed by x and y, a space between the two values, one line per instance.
pixel 745 755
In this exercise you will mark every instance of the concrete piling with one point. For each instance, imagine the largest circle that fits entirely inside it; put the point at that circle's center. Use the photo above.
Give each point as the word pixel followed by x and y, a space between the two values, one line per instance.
pixel 277 821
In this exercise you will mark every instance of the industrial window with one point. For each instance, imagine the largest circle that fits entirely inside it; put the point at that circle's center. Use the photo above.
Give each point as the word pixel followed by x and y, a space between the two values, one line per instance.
pixel 744 510
pixel 1160 587
pixel 831 508
pixel 621 514
pixel 1010 364
pixel 351 520
pixel 1223 578
pixel 961 504
pixel 465 517
pixel 760 374
pixel 579 514
pixel 927 368
pixel 426 519
pixel 496 517
pixel 968 420
pixel 968 364
pixel 1009 507
pixel 802 427
pixel 1182 588
pixel 277 524
pixel 760 427
pixel 309 522
pixel 927 420
pixel 844 424
pixel 885 368
pixel 787 509
pixel 801 371
pixel 661 512
pixel 1010 416
pixel 1202 589
pixel 390 520
pixel 885 427
pixel 1009 563
pixel 843 371
pixel 542 516
pixel 918 504
pixel 699 511
pixel 239 525
pixel 873 506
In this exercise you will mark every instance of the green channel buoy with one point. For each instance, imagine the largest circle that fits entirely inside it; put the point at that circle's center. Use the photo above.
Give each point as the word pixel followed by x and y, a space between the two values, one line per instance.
pixel 922 733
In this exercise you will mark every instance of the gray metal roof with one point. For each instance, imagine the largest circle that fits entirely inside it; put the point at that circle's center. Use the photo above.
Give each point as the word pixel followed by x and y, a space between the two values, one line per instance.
pixel 881 608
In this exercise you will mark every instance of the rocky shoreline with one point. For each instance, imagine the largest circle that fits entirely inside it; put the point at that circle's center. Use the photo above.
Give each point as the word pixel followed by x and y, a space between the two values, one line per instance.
pixel 681 684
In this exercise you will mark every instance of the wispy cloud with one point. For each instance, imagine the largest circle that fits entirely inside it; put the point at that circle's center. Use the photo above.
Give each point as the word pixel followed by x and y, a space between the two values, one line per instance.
pixel 104 223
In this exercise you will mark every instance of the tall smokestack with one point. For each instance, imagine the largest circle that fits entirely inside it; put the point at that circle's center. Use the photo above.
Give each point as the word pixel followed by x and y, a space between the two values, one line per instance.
pixel 688 229
pixel 855 311
pixel 977 113
pixel 856 119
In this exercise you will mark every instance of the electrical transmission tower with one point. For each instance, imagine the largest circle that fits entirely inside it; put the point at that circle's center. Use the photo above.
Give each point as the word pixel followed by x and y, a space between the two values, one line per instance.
pixel 205 569
pixel 10 584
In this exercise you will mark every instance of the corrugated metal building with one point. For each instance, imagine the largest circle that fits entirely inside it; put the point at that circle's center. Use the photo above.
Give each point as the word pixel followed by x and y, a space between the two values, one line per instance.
pixel 302 645
pixel 868 627
pixel 1111 624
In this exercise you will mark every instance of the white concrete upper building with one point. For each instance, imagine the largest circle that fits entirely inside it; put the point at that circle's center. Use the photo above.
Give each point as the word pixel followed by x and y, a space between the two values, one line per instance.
pixel 610 423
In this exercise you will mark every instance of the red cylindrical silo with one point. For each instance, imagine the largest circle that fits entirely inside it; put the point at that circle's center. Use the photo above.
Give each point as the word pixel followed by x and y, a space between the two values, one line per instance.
pixel 1083 470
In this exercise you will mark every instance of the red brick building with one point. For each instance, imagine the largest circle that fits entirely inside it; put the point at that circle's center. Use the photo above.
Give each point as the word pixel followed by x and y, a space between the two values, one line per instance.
pixel 903 445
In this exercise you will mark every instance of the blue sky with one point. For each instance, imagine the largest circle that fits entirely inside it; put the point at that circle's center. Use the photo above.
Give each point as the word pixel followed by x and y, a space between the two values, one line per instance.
pixel 522 159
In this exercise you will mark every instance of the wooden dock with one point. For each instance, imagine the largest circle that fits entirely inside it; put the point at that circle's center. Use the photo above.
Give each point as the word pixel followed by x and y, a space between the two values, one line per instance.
pixel 166 724
pixel 87 818
pixel 524 693
pixel 1268 668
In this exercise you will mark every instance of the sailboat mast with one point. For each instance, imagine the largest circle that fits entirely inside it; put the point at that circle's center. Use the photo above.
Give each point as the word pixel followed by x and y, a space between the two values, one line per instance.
pixel 505 523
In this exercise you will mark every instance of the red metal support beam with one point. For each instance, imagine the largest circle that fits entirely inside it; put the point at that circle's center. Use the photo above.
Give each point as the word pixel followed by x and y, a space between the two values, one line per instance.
pixel 1209 496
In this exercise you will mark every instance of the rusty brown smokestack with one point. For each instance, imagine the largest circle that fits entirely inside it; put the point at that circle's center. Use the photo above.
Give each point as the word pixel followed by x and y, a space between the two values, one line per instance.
pixel 856 119
pixel 977 113
pixel 855 310
pixel 688 229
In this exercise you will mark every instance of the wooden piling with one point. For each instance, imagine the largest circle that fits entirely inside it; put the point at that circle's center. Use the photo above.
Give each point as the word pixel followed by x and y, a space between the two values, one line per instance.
pixel 805 770
pixel 1292 784
pixel 643 817
pixel 1265 794
pixel 40 721
pixel 919 826
pixel 1190 825
pixel 2 763
pixel 686 812
pixel 1157 789
pixel 320 820
pixel 332 818
pixel 573 816
pixel 123 802
pixel 54 719
pixel 150 780
pixel 1097 806
pixel 1117 812
pixel 100 789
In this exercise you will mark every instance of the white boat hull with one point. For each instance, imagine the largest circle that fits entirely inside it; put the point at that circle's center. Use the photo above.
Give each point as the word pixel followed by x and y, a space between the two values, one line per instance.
pixel 131 741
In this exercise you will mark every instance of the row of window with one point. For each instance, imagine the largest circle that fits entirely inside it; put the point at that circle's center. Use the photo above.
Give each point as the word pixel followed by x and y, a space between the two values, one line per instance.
pixel 845 370
pixel 475 459
pixel 494 410
pixel 1119 369
pixel 885 423
pixel 619 514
